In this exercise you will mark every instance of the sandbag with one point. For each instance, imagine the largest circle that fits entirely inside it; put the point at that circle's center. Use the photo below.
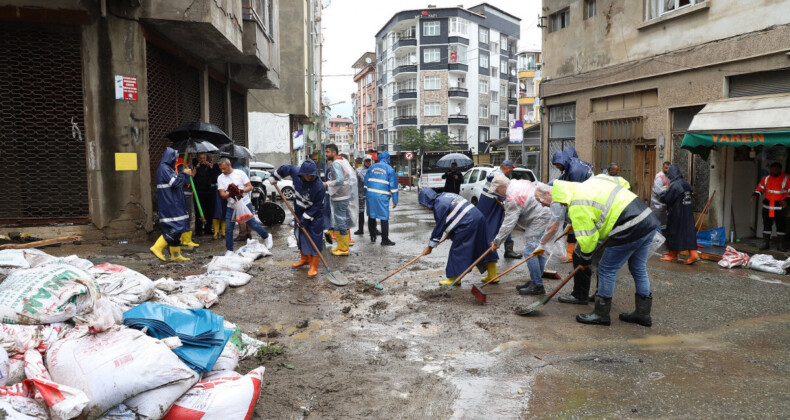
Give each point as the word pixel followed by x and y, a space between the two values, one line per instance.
pixel 227 360
pixel 12 260
pixel 64 402
pixel 253 249
pixel 733 258
pixel 5 366
pixel 37 257
pixel 234 278
pixel 77 261
pixel 230 263
pixel 215 283
pixel 16 340
pixel 224 396
pixel 113 366
pixel 154 404
pixel 124 286
pixel 18 403
pixel 166 284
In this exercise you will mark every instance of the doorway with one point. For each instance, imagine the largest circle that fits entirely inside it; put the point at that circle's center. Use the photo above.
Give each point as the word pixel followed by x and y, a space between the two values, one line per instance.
pixel 645 165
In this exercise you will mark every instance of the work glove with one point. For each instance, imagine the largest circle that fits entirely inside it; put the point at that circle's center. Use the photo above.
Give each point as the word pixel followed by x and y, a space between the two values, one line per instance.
pixel 580 258
pixel 234 191
pixel 537 252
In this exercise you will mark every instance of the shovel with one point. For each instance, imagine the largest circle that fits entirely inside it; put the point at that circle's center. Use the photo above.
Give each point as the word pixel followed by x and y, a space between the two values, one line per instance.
pixel 377 285
pixel 478 292
pixel 335 277
pixel 477 261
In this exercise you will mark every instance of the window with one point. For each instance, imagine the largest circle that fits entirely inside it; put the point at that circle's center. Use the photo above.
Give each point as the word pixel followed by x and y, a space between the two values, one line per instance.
pixel 503 114
pixel 559 20
pixel 482 135
pixel 431 28
pixel 458 53
pixel 494 120
pixel 469 175
pixel 589 8
pixel 430 55
pixel 459 26
pixel 483 111
pixel 432 83
pixel 482 35
pixel 503 65
pixel 656 8
pixel 369 79
pixel 503 42
pixel 503 91
pixel 483 86
pixel 432 109
pixel 494 96
pixel 430 132
pixel 484 61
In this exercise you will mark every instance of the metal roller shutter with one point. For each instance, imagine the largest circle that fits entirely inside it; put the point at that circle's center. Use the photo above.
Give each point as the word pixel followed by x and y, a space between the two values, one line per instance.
pixel 762 83
pixel 238 107
pixel 216 103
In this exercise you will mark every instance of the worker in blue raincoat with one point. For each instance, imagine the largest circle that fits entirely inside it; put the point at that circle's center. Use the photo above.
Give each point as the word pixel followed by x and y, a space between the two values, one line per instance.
pixel 173 213
pixel 466 226
pixel 381 185
pixel 492 207
pixel 573 170
pixel 309 208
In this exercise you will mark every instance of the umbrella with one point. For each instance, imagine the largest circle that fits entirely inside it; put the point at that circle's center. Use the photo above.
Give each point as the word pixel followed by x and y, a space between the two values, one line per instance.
pixel 201 131
pixel 457 158
pixel 236 151
pixel 194 146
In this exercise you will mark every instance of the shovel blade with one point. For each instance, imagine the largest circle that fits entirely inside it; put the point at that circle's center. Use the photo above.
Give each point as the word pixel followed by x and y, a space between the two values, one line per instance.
pixel 479 294
pixel 531 308
pixel 337 278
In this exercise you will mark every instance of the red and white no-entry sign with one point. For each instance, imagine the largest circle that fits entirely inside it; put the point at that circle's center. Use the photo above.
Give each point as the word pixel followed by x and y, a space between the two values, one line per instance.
pixel 408 155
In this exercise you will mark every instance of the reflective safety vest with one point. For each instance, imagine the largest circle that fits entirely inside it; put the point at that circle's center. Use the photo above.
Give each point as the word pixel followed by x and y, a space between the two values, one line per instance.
pixel 593 207
pixel 616 179
pixel 775 189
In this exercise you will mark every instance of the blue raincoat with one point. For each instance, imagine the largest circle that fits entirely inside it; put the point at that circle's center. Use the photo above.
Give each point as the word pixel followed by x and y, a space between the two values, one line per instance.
pixel 381 183
pixel 466 225
pixel 493 208
pixel 576 170
pixel 173 214
pixel 308 203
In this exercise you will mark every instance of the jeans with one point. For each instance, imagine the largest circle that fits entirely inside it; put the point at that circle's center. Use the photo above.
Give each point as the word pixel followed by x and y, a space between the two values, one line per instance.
pixel 340 213
pixel 614 257
pixel 230 222
pixel 535 265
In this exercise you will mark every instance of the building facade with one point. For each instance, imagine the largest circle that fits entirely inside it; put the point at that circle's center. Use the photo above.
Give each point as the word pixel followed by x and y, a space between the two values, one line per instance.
pixel 365 105
pixel 91 88
pixel 341 134
pixel 625 84
pixel 449 70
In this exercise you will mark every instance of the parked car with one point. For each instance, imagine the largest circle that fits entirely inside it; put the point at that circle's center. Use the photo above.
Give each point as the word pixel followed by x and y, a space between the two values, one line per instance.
pixel 475 180
pixel 263 166
pixel 286 185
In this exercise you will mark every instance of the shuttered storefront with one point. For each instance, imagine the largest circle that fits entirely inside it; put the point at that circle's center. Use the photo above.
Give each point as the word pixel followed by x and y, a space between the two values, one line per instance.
pixel 761 83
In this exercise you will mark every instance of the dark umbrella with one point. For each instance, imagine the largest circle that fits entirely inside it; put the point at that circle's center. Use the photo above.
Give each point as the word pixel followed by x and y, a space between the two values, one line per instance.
pixel 236 151
pixel 194 146
pixel 200 131
pixel 458 158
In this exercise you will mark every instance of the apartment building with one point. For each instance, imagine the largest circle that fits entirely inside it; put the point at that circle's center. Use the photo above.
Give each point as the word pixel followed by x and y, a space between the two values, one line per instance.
pixel 341 134
pixel 365 105
pixel 449 70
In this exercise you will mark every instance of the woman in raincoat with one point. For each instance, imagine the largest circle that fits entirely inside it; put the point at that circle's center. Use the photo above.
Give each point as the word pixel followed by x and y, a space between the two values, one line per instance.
pixel 680 232
pixel 173 213
pixel 466 227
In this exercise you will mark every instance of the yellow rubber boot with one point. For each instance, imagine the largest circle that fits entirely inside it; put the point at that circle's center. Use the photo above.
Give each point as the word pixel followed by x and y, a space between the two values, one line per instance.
pixel 215 223
pixel 342 244
pixel 222 228
pixel 302 262
pixel 175 254
pixel 450 281
pixel 186 240
pixel 490 272
pixel 158 247
pixel 313 271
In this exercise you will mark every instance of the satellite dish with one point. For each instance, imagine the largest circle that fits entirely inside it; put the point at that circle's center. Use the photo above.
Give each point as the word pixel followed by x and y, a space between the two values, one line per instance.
pixel 412 59
pixel 324 136
pixel 458 109
pixel 512 72
pixel 367 60
pixel 311 135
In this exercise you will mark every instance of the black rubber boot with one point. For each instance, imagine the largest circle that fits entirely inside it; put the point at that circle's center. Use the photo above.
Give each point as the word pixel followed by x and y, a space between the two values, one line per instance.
pixel 509 251
pixel 641 315
pixel 783 245
pixel 328 237
pixel 372 229
pixel 766 243
pixel 361 224
pixel 599 315
pixel 532 290
pixel 385 233
pixel 572 300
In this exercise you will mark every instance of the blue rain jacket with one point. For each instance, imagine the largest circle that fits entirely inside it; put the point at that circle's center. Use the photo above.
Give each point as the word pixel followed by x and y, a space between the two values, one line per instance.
pixel 308 203
pixel 576 170
pixel 381 183
pixel 465 225
pixel 493 208
pixel 173 214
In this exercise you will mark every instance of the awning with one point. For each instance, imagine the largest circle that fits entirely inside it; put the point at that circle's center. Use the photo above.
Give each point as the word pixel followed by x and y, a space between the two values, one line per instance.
pixel 748 122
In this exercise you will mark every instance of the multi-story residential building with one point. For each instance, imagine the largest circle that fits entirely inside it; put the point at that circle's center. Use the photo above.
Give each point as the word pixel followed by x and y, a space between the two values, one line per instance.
pixel 341 134
pixel 451 70
pixel 627 81
pixel 528 80
pixel 365 110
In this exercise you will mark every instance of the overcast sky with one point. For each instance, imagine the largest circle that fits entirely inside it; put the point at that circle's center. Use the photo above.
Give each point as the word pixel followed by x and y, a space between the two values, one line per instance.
pixel 350 28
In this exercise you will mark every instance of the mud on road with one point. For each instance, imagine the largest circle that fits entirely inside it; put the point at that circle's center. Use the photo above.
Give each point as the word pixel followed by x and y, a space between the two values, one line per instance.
pixel 718 347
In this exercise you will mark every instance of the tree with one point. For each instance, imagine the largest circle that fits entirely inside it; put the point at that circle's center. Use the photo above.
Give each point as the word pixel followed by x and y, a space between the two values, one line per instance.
pixel 418 142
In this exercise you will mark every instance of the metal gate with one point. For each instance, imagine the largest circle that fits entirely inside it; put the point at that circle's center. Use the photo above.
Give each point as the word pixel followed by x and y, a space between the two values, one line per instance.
pixel 41 125
pixel 614 142
pixel 554 146
pixel 216 103
pixel 238 109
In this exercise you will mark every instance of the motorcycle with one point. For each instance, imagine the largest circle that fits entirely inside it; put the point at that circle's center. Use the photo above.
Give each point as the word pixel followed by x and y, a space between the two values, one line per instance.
pixel 258 194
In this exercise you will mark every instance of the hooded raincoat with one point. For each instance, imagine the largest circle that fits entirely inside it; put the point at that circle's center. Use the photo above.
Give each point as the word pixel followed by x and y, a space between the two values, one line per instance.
pixel 576 170
pixel 308 203
pixel 173 213
pixel 522 209
pixel 493 208
pixel 341 191
pixel 680 232
pixel 464 223
pixel 381 184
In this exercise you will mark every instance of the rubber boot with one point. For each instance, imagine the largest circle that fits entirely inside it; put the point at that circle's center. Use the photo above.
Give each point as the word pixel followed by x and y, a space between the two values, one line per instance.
pixel 693 257
pixel 302 262
pixel 175 254
pixel 215 223
pixel 783 245
pixel 641 315
pixel 599 315
pixel 491 272
pixel 385 233
pixel 313 271
pixel 158 247
pixel 766 243
pixel 447 282
pixel 186 240
pixel 222 228
pixel 342 244
pixel 509 253
pixel 361 223
pixel 670 256
pixel 372 229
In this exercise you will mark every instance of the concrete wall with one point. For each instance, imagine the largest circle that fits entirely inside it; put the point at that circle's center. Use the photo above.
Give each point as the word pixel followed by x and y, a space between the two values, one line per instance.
pixel 270 137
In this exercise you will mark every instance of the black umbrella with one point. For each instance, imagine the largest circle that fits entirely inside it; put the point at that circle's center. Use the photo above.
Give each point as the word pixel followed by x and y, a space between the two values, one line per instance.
pixel 458 158
pixel 236 151
pixel 194 146
pixel 200 131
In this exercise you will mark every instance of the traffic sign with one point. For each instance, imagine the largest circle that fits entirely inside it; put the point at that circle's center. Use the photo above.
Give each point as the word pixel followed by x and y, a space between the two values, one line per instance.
pixel 408 155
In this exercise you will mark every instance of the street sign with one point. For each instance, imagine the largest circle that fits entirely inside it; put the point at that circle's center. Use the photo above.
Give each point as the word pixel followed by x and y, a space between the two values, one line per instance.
pixel 408 155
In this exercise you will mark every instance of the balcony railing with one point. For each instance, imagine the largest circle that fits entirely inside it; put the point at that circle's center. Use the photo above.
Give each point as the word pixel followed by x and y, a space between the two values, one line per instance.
pixel 528 67
pixel 405 42
pixel 405 120
pixel 457 67
pixel 379 126
pixel 458 119
pixel 405 94
pixel 457 92
pixel 512 101
pixel 407 68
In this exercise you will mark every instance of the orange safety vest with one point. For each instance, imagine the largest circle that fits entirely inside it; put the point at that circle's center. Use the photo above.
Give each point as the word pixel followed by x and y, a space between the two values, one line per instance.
pixel 775 189
pixel 188 186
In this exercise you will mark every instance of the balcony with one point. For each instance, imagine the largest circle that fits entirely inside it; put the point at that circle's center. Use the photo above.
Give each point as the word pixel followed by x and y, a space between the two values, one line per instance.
pixel 512 79
pixel 380 103
pixel 405 120
pixel 512 101
pixel 458 67
pixel 458 119
pixel 405 94
pixel 405 42
pixel 408 68
pixel 379 126
pixel 457 92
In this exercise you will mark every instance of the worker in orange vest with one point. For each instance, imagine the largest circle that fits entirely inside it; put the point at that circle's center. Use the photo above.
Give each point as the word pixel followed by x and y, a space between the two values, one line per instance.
pixel 775 186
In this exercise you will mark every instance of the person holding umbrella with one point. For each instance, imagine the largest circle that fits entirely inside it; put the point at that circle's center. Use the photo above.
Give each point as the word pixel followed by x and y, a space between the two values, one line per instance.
pixel 452 179
pixel 173 214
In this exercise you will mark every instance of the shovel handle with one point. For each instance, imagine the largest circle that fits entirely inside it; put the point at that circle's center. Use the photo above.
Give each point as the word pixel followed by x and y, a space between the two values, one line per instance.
pixel 296 219
pixel 575 270
pixel 477 261
pixel 507 271
pixel 407 264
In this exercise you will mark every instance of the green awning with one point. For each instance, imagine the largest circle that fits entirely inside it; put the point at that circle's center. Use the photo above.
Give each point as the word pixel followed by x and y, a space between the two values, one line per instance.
pixel 700 143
